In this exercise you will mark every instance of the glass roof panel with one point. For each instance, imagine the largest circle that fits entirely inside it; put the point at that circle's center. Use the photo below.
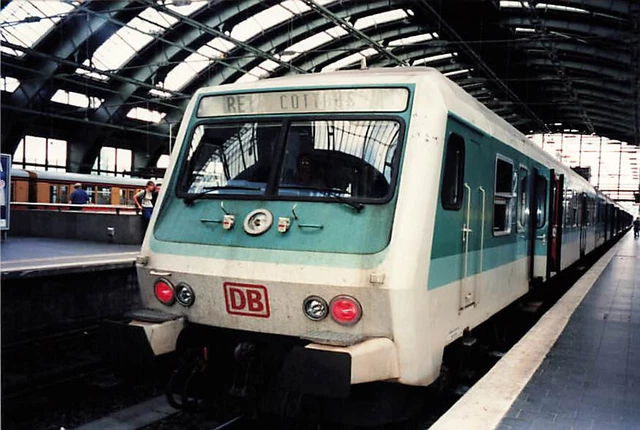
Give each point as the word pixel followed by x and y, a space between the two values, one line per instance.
pixel 434 58
pixel 159 93
pixel 144 114
pixel 457 72
pixel 247 77
pixel 560 8
pixel 513 4
pixel 380 18
pixel 312 42
pixel 25 23
pixel 76 99
pixel 185 8
pixel 349 60
pixel 184 72
pixel 9 84
pixel 261 71
pixel 128 40
pixel 412 39
pixel 268 18
pixel 525 30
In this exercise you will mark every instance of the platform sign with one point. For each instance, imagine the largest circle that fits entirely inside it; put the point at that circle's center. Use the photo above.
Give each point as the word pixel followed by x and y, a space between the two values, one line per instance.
pixel 5 190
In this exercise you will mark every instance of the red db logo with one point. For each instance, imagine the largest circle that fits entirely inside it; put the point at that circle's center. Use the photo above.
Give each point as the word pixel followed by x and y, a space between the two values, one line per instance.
pixel 245 299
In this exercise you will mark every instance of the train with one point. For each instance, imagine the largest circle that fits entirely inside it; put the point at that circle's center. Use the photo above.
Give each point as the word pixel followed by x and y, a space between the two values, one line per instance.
pixel 322 233
pixel 36 186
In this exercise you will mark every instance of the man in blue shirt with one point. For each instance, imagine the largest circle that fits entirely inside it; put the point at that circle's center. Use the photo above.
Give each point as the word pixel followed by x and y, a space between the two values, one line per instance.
pixel 78 196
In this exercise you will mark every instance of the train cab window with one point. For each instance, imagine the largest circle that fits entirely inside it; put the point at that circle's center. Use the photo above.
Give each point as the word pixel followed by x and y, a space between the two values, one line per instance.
pixel 348 158
pixel 523 198
pixel 503 197
pixel 233 158
pixel 453 174
pixel 541 203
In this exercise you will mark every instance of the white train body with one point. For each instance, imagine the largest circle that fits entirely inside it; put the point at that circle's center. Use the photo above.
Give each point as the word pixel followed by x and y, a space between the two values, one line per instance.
pixel 414 298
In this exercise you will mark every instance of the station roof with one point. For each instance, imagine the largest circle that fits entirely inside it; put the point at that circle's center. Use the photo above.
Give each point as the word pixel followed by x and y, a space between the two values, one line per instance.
pixel 120 72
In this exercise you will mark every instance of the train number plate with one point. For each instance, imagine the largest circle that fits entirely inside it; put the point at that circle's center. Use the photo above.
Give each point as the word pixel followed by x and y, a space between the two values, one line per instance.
pixel 246 299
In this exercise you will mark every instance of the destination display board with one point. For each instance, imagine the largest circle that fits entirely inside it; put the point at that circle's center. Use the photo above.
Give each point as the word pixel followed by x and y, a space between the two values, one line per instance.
pixel 305 101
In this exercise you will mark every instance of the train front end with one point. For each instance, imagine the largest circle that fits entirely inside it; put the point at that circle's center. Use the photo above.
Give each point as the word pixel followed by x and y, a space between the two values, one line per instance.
pixel 271 241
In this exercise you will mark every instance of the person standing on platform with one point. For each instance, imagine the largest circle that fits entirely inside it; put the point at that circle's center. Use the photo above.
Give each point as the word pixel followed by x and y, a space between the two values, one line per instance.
pixel 145 200
pixel 636 227
pixel 78 196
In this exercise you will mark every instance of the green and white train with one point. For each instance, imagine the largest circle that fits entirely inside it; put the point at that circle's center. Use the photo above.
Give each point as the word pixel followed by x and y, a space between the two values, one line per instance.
pixel 344 228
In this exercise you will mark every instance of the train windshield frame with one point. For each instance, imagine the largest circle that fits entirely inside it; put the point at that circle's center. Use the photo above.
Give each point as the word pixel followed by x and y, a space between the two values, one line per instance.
pixel 302 158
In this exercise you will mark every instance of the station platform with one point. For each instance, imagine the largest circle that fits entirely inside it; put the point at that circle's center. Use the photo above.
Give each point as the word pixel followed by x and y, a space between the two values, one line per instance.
pixel 577 368
pixel 39 256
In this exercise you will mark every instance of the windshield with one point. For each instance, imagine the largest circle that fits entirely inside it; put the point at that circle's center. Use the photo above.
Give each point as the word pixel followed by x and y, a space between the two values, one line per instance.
pixel 297 159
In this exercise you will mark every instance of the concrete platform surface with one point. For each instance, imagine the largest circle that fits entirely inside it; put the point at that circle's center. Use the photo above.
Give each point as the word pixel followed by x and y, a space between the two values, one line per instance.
pixel 591 377
pixel 27 256
pixel 577 368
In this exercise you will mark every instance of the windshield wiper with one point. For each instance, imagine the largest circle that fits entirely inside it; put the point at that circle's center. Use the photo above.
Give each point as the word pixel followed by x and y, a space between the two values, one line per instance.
pixel 189 199
pixel 331 192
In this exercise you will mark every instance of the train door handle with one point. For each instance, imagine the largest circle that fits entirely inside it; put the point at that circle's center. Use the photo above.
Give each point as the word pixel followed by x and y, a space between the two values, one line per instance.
pixel 465 232
pixel 543 238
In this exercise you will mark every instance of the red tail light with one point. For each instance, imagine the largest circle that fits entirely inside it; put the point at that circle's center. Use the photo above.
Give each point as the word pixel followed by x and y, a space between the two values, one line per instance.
pixel 164 292
pixel 345 310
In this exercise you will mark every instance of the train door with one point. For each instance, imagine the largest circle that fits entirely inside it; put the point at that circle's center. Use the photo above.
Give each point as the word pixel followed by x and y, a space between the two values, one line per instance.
pixel 554 232
pixel 538 225
pixel 523 225
pixel 474 212
pixel 605 213
pixel 584 212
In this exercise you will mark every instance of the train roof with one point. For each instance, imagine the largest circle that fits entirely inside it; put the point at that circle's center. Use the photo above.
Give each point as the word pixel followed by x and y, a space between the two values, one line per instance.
pixel 79 177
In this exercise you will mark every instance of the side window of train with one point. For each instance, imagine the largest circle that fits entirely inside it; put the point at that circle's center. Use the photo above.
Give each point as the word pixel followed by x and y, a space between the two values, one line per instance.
pixel 541 204
pixel 453 176
pixel 523 198
pixel 503 197
pixel 568 208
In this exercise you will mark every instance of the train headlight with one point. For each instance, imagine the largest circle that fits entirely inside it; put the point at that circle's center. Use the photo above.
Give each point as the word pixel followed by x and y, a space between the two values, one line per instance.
pixel 164 292
pixel 185 295
pixel 315 308
pixel 345 310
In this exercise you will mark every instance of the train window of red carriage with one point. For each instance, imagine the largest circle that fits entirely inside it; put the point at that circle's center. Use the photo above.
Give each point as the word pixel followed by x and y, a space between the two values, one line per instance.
pixel 53 194
pixel 503 196
pixel 64 193
pixel 453 175
pixel 541 204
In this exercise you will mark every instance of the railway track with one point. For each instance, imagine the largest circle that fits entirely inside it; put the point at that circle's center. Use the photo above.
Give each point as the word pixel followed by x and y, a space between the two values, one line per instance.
pixel 40 362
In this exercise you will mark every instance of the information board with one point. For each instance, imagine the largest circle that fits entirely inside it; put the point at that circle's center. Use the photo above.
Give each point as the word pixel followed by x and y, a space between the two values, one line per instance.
pixel 305 101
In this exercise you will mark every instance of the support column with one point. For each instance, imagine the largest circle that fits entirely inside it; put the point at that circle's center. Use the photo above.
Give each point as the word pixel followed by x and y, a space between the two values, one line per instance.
pixel 80 157
pixel 141 160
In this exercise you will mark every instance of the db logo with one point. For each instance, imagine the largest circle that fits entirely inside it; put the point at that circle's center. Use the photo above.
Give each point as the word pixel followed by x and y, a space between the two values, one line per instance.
pixel 245 299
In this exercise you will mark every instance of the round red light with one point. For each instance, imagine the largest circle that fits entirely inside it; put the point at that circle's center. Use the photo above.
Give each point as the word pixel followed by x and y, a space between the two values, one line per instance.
pixel 164 292
pixel 345 310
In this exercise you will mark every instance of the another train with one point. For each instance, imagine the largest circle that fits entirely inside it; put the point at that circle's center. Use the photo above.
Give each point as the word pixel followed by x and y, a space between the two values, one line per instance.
pixel 324 231
pixel 35 186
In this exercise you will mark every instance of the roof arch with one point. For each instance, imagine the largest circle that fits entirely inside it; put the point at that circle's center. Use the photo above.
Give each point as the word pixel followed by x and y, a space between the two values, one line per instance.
pixel 542 65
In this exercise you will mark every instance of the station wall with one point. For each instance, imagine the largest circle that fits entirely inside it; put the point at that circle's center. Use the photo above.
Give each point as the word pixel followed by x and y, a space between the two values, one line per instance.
pixel 127 229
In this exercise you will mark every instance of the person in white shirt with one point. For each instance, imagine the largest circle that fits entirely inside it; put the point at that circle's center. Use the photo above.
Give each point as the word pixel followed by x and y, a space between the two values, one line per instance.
pixel 145 200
